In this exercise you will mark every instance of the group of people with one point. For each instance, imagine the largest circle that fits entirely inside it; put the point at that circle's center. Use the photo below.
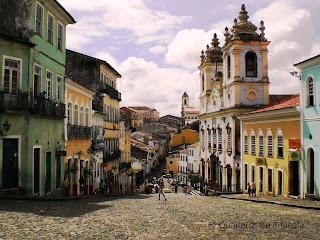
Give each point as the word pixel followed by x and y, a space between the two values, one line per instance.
pixel 251 189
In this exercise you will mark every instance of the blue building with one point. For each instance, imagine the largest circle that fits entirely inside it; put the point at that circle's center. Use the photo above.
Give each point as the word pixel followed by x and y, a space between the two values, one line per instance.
pixel 310 126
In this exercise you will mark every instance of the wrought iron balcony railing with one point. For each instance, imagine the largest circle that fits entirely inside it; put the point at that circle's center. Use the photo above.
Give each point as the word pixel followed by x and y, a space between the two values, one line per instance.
pixel 49 108
pixel 113 93
pixel 111 156
pixel 75 131
pixel 13 102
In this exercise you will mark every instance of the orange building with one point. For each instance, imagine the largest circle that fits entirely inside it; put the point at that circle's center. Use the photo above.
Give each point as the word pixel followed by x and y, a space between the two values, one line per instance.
pixel 172 164
pixel 181 140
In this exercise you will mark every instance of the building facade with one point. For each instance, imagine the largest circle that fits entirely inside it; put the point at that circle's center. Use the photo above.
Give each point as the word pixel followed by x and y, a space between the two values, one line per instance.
pixel 32 69
pixel 310 125
pixel 78 136
pixel 183 167
pixel 233 80
pixel 188 113
pixel 271 149
pixel 172 162
pixel 193 165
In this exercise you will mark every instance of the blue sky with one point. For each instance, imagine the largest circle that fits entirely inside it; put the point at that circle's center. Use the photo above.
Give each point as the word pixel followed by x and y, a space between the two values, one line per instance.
pixel 156 44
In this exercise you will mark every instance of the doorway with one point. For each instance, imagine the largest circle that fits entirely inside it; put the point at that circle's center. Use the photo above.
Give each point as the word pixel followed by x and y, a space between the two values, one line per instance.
pixel 48 172
pixel 310 166
pixel 294 178
pixel 10 163
pixel 261 180
pixel 36 171
pixel 280 183
pixel 238 180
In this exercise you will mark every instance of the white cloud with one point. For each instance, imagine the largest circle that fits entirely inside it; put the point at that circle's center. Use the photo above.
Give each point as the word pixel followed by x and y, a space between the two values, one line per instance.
pixel 145 83
pixel 129 16
pixel 186 47
pixel 157 49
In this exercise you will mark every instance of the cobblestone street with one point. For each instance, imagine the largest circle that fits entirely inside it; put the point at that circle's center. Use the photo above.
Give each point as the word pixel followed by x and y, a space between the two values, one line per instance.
pixel 145 217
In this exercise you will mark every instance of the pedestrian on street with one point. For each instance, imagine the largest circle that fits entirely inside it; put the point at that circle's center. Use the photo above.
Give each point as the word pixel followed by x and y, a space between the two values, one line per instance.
pixel 157 188
pixel 162 192
pixel 176 188
pixel 253 191
pixel 206 190
pixel 81 182
pixel 102 187
pixel 249 189
pixel 65 184
pixel 185 190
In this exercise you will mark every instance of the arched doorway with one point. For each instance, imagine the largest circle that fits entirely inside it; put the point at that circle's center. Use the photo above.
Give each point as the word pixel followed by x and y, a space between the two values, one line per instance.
pixel 310 171
pixel 229 178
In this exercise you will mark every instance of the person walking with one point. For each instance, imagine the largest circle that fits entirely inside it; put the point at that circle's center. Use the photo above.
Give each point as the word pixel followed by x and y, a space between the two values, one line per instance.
pixel 249 189
pixel 162 192
pixel 81 183
pixel 176 188
pixel 206 190
pixel 253 191
pixel 102 187
pixel 65 184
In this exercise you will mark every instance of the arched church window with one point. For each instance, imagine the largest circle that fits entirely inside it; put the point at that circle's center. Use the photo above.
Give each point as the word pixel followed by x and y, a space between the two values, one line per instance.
pixel 251 64
pixel 185 102
pixel 310 93
pixel 229 66
pixel 202 82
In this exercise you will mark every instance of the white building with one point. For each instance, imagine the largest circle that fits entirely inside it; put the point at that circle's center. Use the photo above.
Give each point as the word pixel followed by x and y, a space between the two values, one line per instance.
pixel 193 164
pixel 190 114
pixel 183 166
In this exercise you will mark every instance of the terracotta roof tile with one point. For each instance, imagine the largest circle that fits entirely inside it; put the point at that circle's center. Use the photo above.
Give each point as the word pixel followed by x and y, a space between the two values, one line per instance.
pixel 293 101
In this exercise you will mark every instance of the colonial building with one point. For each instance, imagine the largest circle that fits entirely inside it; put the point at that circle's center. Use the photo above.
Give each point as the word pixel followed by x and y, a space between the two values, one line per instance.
pixel 173 122
pixel 182 140
pixel 233 80
pixel 188 113
pixel 125 159
pixel 78 137
pixel 172 162
pixel 101 77
pixel 310 125
pixel 271 148
pixel 193 164
pixel 32 100
pixel 183 166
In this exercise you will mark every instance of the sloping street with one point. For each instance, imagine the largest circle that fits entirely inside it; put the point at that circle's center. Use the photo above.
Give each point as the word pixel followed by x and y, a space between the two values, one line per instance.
pixel 145 217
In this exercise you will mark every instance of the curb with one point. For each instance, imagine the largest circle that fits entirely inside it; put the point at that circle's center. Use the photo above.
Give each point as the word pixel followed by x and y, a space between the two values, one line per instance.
pixel 270 202
pixel 25 198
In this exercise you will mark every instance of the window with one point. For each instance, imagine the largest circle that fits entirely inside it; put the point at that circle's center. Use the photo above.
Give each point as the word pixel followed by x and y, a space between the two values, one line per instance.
pixel 11 76
pixel 50 29
pixel 251 64
pixel 246 176
pixel 49 85
pixel 228 66
pixel 246 146
pixel 253 173
pixel 39 19
pixel 202 138
pixel 69 116
pixel 269 180
pixel 76 115
pixel 310 92
pixel 280 146
pixel 220 139
pixel 270 146
pixel 81 116
pixel 229 140
pixel 171 162
pixel 253 144
pixel 87 117
pixel 202 82
pixel 60 36
pixel 59 88
pixel 36 81
pixel 209 139
pixel 261 147
pixel 214 136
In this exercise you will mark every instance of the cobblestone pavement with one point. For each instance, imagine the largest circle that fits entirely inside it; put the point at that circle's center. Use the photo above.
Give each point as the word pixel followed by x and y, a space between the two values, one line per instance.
pixel 145 217
pixel 279 200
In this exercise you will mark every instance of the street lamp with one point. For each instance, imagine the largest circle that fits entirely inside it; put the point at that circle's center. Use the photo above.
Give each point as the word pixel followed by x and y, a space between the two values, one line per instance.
pixel 5 129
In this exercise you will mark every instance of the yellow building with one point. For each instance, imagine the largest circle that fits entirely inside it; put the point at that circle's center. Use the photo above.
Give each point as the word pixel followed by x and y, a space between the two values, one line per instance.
pixel 111 109
pixel 78 135
pixel 172 162
pixel 270 148
pixel 186 137
pixel 125 159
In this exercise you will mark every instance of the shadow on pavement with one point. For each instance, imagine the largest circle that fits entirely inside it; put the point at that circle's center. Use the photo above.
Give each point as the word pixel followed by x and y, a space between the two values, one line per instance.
pixel 65 209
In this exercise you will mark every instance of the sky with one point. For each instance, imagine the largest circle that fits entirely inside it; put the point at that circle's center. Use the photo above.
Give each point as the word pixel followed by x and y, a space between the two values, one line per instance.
pixel 155 44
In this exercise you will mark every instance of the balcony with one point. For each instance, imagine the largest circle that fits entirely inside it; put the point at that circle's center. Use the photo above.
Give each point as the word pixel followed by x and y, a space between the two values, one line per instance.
pixel 49 108
pixel 75 131
pixel 13 102
pixel 111 156
pixel 124 165
pixel 113 93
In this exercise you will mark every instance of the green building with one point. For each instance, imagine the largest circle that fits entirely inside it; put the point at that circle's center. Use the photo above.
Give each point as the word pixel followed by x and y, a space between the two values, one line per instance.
pixel 32 109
